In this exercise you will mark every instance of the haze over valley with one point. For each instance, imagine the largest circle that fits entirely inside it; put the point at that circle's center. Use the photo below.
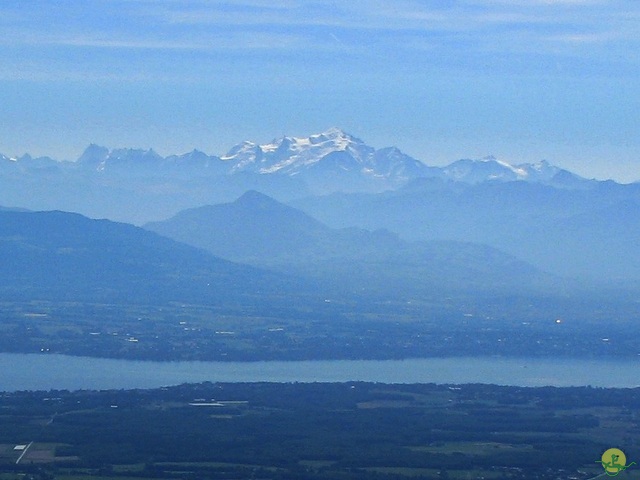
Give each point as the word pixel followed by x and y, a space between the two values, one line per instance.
pixel 549 217
pixel 478 257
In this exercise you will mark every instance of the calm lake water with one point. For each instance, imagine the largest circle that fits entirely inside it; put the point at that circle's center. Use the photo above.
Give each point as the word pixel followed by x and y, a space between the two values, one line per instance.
pixel 44 372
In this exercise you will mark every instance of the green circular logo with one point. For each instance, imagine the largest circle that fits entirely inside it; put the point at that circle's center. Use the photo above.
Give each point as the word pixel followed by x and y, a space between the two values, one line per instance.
pixel 614 461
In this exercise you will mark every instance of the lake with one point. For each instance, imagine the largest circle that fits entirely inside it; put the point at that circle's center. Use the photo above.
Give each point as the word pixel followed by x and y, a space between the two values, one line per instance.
pixel 44 372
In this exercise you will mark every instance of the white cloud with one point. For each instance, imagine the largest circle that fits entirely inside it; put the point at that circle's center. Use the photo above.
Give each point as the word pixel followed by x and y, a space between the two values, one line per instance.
pixel 585 38
pixel 226 42
pixel 535 3
pixel 458 30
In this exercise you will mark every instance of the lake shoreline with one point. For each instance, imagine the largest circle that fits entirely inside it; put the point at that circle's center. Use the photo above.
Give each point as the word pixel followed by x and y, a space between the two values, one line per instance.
pixel 55 371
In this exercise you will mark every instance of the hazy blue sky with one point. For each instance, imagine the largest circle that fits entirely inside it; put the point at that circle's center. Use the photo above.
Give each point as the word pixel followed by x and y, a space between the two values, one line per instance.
pixel 523 80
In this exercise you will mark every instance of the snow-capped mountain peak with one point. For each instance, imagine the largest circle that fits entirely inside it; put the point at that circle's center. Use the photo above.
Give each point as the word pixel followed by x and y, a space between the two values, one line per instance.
pixel 124 160
pixel 290 155
pixel 338 137
pixel 476 171
pixel 492 169
pixel 325 162
pixel 334 156
pixel 328 157
pixel 540 171
pixel 243 155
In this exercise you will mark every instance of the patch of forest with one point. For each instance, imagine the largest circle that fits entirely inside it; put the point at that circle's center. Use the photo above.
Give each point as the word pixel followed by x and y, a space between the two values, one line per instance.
pixel 317 431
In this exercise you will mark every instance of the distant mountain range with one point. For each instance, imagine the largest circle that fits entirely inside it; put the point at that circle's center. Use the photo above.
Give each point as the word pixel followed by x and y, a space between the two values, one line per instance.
pixel 551 218
pixel 322 160
pixel 589 233
pixel 328 162
pixel 136 185
pixel 67 257
pixel 60 256
pixel 257 230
